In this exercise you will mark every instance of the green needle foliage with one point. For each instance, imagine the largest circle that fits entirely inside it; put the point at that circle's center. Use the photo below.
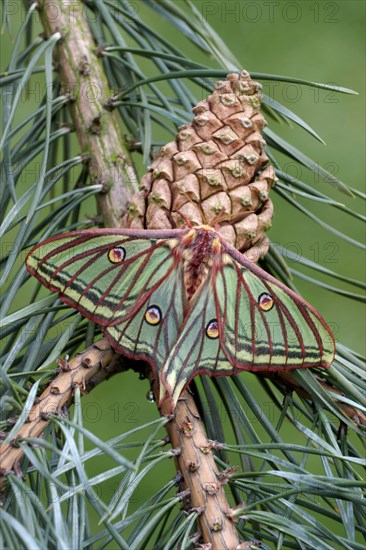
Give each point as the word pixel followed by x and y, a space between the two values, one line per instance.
pixel 299 454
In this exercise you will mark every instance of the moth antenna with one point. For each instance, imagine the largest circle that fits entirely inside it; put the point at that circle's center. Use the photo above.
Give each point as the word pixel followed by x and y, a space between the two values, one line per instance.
pixel 230 219
pixel 221 217
pixel 237 219
pixel 194 203
pixel 185 219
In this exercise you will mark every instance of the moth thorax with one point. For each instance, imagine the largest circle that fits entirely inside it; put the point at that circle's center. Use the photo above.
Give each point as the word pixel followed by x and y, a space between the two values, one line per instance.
pixel 198 258
pixel 194 274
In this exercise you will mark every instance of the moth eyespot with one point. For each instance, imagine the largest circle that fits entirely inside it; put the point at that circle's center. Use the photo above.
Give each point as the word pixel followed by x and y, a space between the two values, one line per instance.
pixel 212 329
pixel 117 254
pixel 153 315
pixel 265 301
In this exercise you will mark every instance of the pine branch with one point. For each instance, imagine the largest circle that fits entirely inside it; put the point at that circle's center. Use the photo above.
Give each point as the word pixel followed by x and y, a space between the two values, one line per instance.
pixel 196 463
pixel 97 128
pixel 84 371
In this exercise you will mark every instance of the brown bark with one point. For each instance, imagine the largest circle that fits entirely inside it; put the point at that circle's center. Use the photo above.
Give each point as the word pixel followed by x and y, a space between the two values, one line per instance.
pixel 98 132
pixel 84 371
pixel 195 461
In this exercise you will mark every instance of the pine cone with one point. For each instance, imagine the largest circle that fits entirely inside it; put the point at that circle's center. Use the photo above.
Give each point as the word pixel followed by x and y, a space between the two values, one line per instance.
pixel 215 172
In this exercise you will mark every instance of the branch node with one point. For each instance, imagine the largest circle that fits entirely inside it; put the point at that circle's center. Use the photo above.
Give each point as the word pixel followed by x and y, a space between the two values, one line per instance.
pixel 178 478
pixel 95 126
pixel 176 452
pixel 63 412
pixel 198 509
pixel 15 442
pixel 186 427
pixel 212 488
pixel 110 104
pixel 99 51
pixel 192 466
pixel 249 545
pixel 225 474
pixel 81 385
pixel 216 525
pixel 63 364
pixel 86 363
pixel 84 66
pixel 184 494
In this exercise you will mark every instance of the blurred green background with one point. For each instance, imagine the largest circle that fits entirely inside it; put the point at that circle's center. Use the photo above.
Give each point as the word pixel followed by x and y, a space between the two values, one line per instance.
pixel 318 41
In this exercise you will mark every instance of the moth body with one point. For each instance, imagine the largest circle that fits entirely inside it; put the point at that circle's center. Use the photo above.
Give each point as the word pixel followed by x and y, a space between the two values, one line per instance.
pixel 199 250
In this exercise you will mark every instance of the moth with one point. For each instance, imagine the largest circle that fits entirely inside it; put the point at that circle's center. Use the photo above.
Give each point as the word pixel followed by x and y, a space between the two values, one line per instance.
pixel 183 300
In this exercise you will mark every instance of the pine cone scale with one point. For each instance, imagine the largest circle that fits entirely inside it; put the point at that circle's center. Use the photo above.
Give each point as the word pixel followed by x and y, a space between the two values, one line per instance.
pixel 216 171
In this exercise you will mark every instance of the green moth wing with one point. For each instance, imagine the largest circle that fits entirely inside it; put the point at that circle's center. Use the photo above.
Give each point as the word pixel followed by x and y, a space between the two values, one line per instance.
pixel 198 348
pixel 131 286
pixel 152 330
pixel 104 274
pixel 280 330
